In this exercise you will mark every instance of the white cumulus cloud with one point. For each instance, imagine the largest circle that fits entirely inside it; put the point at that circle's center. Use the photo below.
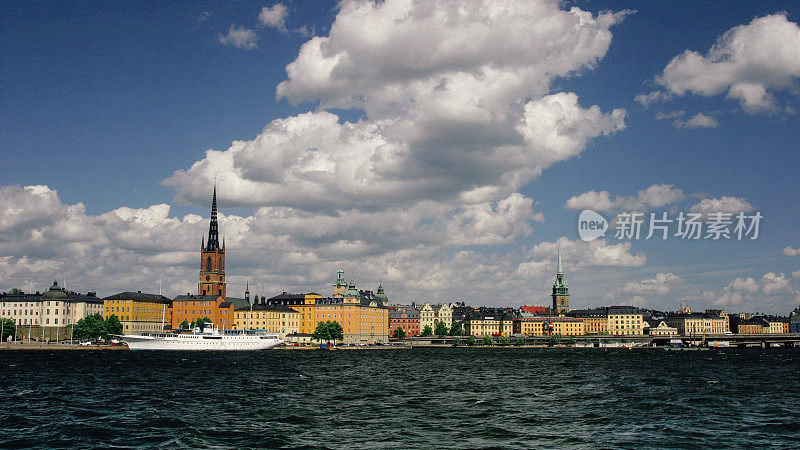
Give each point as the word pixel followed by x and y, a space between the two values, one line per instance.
pixel 239 37
pixel 724 204
pixel 699 120
pixel 748 63
pixel 274 16
pixel 655 196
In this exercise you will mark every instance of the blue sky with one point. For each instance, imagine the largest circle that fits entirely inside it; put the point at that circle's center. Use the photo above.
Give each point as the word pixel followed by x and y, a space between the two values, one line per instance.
pixel 112 105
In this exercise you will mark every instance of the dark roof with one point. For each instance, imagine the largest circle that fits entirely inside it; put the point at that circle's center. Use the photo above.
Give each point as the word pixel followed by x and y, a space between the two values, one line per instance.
pixel 588 313
pixel 225 304
pixel 181 298
pixel 624 309
pixel 287 296
pixel 139 295
pixel 260 307
pixel 694 315
pixel 238 303
pixel 548 319
pixel 70 297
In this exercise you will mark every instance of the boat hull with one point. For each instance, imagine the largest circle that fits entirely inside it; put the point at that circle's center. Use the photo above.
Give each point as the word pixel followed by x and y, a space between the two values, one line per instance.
pixel 196 342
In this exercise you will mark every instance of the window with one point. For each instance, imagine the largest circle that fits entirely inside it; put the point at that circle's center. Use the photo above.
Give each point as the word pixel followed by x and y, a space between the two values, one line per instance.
pixel 208 264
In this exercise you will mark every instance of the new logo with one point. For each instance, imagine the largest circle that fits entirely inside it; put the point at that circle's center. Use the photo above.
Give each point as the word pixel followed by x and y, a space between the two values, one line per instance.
pixel 591 225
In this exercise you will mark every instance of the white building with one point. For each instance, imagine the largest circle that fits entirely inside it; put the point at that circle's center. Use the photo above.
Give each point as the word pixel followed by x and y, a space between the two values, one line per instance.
pixel 49 316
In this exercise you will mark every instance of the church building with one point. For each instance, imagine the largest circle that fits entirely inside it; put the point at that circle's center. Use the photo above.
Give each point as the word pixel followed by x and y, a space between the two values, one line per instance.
pixel 560 290
pixel 212 260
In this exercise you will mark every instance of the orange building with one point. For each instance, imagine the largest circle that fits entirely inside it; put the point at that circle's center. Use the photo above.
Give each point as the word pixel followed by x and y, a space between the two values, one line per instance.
pixel 192 307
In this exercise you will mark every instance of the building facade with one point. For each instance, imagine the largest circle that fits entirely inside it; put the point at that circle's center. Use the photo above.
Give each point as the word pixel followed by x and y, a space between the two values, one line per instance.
pixel 189 308
pixel 278 319
pixel 696 324
pixel 659 328
pixel 363 320
pixel 49 316
pixel 595 321
pixel 544 326
pixel 625 321
pixel 138 311
pixel 431 315
pixel 405 317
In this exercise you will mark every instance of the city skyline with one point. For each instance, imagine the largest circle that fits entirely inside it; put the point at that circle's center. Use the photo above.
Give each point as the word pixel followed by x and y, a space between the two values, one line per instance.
pixel 373 139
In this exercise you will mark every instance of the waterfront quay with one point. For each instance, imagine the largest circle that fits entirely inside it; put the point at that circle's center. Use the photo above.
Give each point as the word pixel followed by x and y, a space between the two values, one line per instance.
pixel 726 340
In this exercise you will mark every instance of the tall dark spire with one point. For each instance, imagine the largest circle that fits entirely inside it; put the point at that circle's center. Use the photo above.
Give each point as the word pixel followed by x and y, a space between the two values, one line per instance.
pixel 213 228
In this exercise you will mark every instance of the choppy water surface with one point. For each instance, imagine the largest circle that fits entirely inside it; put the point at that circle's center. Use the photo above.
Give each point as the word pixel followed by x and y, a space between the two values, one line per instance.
pixel 421 398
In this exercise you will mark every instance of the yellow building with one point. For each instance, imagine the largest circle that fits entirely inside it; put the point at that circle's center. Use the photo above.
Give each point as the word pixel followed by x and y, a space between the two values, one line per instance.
pixel 362 320
pixel 483 326
pixel 625 321
pixel 547 325
pixel 595 321
pixel 139 311
pixel 696 324
pixel 278 319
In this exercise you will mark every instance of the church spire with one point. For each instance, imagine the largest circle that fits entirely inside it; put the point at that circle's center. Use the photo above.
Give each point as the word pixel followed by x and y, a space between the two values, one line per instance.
pixel 560 267
pixel 213 228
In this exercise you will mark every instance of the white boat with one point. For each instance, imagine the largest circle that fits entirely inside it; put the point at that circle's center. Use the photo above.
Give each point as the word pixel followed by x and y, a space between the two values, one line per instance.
pixel 209 338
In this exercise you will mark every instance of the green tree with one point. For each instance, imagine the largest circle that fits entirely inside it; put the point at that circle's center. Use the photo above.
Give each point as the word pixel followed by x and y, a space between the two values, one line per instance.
pixel 455 329
pixel 470 340
pixel 113 325
pixel 427 331
pixel 322 332
pixel 200 323
pixel 9 328
pixel 503 340
pixel 571 341
pixel 487 340
pixel 441 329
pixel 399 333
pixel 553 339
pixel 336 331
pixel 328 331
pixel 520 341
pixel 185 324
pixel 90 327
pixel 16 291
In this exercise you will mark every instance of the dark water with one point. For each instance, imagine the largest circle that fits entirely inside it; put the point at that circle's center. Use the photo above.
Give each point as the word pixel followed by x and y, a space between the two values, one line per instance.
pixel 421 398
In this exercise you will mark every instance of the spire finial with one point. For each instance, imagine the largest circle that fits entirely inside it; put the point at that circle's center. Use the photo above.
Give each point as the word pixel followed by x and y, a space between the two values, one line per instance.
pixel 213 227
pixel 560 267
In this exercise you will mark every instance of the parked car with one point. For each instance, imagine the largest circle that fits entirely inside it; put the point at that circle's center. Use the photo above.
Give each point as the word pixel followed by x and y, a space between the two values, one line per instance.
pixel 85 343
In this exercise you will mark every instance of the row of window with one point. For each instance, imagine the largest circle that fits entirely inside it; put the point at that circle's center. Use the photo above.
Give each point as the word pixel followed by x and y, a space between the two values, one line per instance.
pixel 34 312
pixel 23 321
pixel 28 304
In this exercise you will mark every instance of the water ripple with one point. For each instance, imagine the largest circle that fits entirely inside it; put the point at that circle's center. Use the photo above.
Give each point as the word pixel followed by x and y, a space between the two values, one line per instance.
pixel 422 398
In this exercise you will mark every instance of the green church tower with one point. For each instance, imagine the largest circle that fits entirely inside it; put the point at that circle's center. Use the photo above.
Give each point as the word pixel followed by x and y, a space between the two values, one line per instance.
pixel 560 289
